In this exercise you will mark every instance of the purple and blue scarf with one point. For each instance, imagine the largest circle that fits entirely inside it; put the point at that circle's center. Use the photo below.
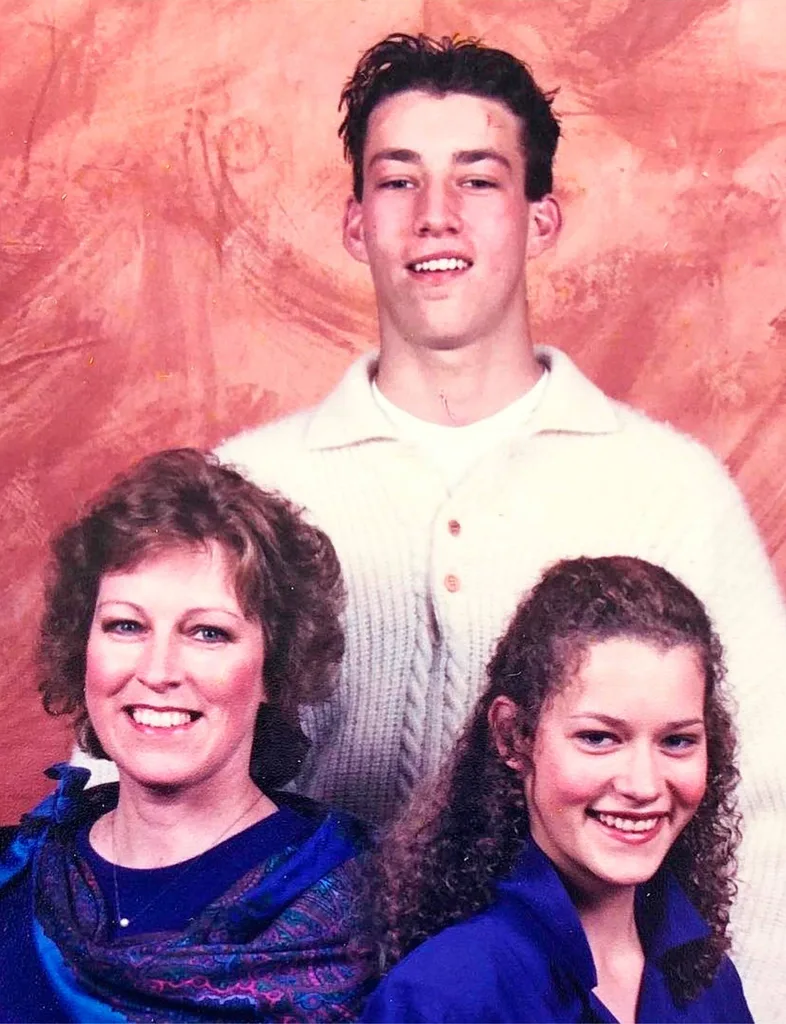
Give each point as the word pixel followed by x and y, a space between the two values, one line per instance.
pixel 284 943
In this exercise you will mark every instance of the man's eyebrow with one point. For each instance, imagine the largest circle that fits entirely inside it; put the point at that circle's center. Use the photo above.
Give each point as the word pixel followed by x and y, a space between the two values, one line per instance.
pixel 475 156
pixel 462 157
pixel 406 156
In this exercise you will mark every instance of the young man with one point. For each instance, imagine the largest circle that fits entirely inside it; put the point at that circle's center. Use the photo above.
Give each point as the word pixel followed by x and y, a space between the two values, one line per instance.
pixel 456 464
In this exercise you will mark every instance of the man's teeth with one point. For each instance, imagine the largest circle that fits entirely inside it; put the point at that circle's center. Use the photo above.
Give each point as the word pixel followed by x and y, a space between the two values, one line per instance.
pixel 628 824
pixel 446 263
pixel 160 719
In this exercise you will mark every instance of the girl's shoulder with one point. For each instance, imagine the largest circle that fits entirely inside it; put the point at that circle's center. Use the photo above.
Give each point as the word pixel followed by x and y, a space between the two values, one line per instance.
pixel 484 968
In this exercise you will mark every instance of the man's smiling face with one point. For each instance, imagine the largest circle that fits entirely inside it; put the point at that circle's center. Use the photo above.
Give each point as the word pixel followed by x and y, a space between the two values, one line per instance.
pixel 444 222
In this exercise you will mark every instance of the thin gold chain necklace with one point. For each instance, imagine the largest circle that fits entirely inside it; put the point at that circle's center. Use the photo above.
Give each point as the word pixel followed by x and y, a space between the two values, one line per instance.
pixel 124 922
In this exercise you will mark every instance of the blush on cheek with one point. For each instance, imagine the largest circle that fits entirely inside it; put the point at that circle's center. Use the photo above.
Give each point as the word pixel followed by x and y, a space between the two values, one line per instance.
pixel 688 789
pixel 693 792
pixel 555 787
pixel 565 777
pixel 577 785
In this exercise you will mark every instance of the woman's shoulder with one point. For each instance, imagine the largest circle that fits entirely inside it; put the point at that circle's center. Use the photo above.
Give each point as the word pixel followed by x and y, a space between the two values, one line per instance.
pixel 7 836
pixel 327 823
pixel 311 852
pixel 62 812
pixel 25 992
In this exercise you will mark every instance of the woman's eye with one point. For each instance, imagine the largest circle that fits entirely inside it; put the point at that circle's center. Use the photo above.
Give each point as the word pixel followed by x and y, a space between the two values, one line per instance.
pixel 121 626
pixel 211 634
pixel 595 739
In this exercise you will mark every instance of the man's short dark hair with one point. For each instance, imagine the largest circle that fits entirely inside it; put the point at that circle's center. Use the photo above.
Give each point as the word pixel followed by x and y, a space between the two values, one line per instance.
pixel 400 63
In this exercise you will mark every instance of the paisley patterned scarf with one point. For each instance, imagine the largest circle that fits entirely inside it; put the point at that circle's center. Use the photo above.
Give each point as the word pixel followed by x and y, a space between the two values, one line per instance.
pixel 284 943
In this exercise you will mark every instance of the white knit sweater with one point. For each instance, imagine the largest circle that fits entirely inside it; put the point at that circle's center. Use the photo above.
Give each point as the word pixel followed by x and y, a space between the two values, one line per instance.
pixel 434 576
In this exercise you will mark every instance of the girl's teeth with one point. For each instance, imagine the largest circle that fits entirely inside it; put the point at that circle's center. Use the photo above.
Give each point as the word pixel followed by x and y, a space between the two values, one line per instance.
pixel 628 824
pixel 160 719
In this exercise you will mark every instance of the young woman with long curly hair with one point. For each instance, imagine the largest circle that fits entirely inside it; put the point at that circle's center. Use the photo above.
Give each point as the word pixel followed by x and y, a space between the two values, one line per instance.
pixel 575 862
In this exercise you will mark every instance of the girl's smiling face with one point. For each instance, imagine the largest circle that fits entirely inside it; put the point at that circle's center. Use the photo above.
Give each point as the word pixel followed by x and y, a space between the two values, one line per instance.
pixel 619 763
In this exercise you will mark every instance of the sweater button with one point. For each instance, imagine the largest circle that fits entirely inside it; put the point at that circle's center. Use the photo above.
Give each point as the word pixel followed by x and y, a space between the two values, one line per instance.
pixel 454 526
pixel 452 583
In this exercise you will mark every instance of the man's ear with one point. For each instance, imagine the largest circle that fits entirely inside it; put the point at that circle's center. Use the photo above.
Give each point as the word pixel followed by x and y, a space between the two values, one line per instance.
pixel 545 221
pixel 354 237
pixel 503 722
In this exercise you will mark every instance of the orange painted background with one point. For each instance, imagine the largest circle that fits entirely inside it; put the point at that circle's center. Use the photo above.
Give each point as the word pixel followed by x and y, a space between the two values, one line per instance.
pixel 171 268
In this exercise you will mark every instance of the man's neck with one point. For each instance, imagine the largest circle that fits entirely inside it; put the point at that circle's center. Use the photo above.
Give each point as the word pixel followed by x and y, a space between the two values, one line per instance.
pixel 456 387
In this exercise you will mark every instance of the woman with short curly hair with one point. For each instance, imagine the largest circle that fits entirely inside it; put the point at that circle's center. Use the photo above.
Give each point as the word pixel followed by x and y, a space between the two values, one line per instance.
pixel 575 861
pixel 188 615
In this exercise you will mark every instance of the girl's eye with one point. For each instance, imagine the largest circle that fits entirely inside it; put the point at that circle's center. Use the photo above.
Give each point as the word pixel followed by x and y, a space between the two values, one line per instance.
pixel 211 634
pixel 680 742
pixel 595 739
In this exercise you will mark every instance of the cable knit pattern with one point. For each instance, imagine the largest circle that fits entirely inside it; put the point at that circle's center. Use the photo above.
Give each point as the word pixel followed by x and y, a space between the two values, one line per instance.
pixel 458 698
pixel 586 476
pixel 415 710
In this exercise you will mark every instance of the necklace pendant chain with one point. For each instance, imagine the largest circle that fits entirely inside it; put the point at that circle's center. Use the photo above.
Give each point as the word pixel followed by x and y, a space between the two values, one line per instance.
pixel 120 918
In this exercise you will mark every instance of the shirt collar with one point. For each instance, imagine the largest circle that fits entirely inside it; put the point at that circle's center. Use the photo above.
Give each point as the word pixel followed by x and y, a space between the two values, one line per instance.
pixel 535 887
pixel 350 415
pixel 665 916
pixel 570 404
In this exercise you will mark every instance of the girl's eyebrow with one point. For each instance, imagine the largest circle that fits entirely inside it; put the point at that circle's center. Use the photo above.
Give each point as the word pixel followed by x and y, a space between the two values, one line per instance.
pixel 684 723
pixel 598 716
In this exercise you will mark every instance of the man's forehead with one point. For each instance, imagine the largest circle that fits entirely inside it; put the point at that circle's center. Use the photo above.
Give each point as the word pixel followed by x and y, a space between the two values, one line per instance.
pixel 414 119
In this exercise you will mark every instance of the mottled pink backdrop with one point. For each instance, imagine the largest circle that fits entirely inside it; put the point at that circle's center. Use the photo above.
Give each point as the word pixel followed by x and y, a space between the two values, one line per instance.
pixel 172 269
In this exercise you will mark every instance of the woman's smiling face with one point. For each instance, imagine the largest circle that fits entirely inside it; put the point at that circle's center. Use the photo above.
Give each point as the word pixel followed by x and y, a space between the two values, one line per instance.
pixel 174 670
pixel 619 763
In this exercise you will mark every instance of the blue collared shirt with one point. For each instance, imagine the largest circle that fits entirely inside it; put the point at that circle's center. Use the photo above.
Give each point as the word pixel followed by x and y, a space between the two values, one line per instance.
pixel 526 958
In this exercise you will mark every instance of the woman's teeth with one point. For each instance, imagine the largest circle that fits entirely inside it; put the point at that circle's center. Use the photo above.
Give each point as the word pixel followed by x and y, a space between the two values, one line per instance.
pixel 160 719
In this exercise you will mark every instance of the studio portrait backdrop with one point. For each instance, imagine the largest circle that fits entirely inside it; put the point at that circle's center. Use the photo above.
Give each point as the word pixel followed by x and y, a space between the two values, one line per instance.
pixel 171 265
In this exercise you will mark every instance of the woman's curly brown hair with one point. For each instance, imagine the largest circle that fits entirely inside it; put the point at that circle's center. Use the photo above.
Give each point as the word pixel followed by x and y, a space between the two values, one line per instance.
pixel 441 861
pixel 287 577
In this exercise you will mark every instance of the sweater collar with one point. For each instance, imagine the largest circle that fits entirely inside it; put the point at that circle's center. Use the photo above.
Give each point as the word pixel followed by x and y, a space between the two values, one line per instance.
pixel 570 404
pixel 665 917
pixel 350 415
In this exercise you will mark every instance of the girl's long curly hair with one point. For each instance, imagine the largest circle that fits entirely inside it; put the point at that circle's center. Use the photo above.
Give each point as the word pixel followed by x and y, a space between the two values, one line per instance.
pixel 440 862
